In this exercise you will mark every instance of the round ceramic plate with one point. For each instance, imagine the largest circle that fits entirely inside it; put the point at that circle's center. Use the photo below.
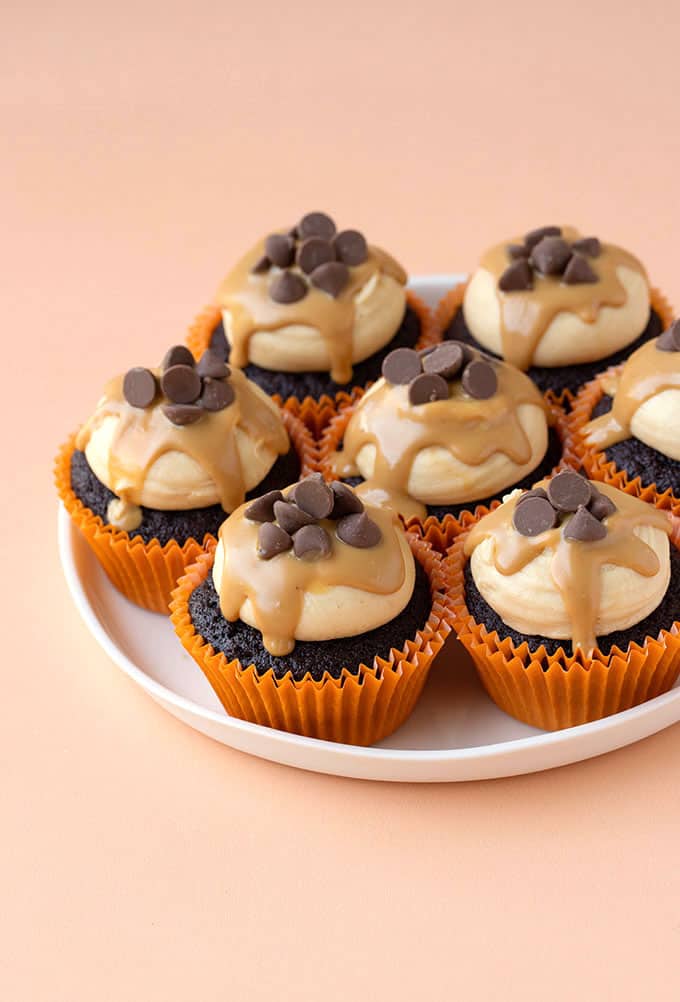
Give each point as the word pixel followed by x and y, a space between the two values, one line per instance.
pixel 455 732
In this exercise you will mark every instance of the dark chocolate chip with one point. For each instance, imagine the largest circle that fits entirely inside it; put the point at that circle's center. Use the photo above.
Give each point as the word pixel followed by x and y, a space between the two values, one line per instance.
pixel 182 414
pixel 568 490
pixel 314 497
pixel 179 354
pixel 351 247
pixel 446 360
pixel 346 501
pixel 479 380
pixel 578 271
pixel 331 277
pixel 600 505
pixel 216 394
pixel 293 232
pixel 533 516
pixel 427 388
pixel 287 288
pixel 262 508
pixel 219 343
pixel 181 384
pixel 517 277
pixel 670 339
pixel 535 492
pixel 316 224
pixel 516 251
pixel 318 477
pixel 280 249
pixel 550 255
pixel 212 364
pixel 272 540
pixel 535 236
pixel 584 527
pixel 314 252
pixel 290 517
pixel 590 246
pixel 401 366
pixel 311 542
pixel 359 530
pixel 139 387
pixel 262 265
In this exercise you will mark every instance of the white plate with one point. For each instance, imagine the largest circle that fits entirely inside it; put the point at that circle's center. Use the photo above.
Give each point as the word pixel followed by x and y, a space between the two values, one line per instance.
pixel 455 732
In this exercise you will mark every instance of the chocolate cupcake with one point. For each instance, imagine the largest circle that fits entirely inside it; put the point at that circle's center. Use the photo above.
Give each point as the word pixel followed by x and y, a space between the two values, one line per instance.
pixel 443 431
pixel 312 312
pixel 566 597
pixel 557 305
pixel 315 614
pixel 167 454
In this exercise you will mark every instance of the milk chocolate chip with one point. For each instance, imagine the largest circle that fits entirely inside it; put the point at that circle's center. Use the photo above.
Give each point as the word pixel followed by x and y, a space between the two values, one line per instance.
pixel 314 252
pixel 181 384
pixel 579 272
pixel 517 277
pixel 212 364
pixel 479 380
pixel 316 224
pixel 590 246
pixel 670 339
pixel 427 388
pixel 351 247
pixel 290 517
pixel 535 236
pixel 314 497
pixel 181 414
pixel 139 387
pixel 346 501
pixel 179 354
pixel 262 508
pixel 287 288
pixel 311 542
pixel 401 366
pixel 516 251
pixel 216 394
pixel 568 490
pixel 261 265
pixel 280 249
pixel 218 342
pixel 331 277
pixel 601 506
pixel 535 492
pixel 550 255
pixel 584 527
pixel 533 516
pixel 445 360
pixel 359 530
pixel 272 540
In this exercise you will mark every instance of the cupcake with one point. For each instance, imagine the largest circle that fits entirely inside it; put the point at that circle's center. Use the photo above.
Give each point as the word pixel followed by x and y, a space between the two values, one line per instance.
pixel 165 456
pixel 442 431
pixel 315 614
pixel 625 423
pixel 312 312
pixel 557 305
pixel 566 597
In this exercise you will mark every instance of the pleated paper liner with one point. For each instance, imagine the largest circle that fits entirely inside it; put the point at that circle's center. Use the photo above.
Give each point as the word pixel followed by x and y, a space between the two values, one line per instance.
pixel 450 303
pixel 553 691
pixel 146 573
pixel 314 413
pixel 360 707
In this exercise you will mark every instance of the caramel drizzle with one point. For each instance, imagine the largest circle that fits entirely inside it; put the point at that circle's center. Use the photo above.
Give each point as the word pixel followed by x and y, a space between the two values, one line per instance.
pixel 525 315
pixel 276 588
pixel 647 372
pixel 471 430
pixel 245 295
pixel 143 435
pixel 576 565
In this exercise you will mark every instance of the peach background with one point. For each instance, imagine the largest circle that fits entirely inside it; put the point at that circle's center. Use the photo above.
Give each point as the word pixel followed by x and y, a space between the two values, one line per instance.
pixel 145 145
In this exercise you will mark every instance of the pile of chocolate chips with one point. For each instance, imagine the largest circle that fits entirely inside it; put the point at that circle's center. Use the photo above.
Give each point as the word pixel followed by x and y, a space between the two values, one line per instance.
pixel 427 373
pixel 322 255
pixel 292 522
pixel 191 388
pixel 568 493
pixel 670 339
pixel 546 252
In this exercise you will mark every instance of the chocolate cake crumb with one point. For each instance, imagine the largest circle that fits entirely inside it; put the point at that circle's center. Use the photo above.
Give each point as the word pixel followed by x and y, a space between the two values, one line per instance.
pixel 640 460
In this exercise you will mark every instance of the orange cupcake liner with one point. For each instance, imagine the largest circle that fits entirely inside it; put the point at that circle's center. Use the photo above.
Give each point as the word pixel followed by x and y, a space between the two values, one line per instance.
pixel 359 707
pixel 554 691
pixel 146 573
pixel 314 413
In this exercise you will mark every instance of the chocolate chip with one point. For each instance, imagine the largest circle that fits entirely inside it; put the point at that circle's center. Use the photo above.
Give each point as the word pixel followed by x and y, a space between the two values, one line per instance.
pixel 601 506
pixel 578 272
pixel 346 501
pixel 670 339
pixel 280 249
pixel 314 497
pixel 516 251
pixel 287 288
pixel 218 342
pixel 212 364
pixel 272 540
pixel 535 492
pixel 551 255
pixel 179 354
pixel 479 380
pixel 584 527
pixel 311 542
pixel 313 253
pixel 331 277
pixel 359 530
pixel 401 366
pixel 318 477
pixel 216 394
pixel 139 387
pixel 517 277
pixel 316 224
pixel 181 384
pixel 290 517
pixel 427 388
pixel 567 490
pixel 182 414
pixel 446 359
pixel 351 247
pixel 588 245
pixel 262 265
pixel 262 508
pixel 533 516
pixel 535 236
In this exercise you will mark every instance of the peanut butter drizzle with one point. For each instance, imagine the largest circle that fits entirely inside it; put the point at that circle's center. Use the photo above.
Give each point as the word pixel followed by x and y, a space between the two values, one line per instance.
pixel 245 294
pixel 472 430
pixel 143 435
pixel 576 565
pixel 526 315
pixel 647 372
pixel 277 587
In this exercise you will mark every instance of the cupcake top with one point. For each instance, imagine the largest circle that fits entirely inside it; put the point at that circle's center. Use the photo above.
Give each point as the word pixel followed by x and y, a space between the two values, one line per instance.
pixel 443 426
pixel 312 563
pixel 554 298
pixel 186 435
pixel 310 298
pixel 571 559
pixel 646 396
